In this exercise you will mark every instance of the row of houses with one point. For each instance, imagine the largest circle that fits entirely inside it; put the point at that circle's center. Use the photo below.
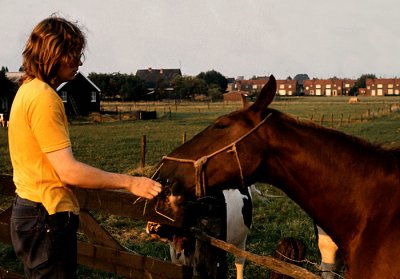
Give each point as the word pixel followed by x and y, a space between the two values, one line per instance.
pixel 82 96
pixel 321 87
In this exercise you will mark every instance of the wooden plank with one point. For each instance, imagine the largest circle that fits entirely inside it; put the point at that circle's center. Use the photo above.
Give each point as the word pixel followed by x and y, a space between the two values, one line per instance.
pixel 6 215
pixel 7 274
pixel 123 203
pixel 114 258
pixel 266 261
pixel 129 265
pixel 122 263
pixel 7 186
pixel 96 233
pixel 5 226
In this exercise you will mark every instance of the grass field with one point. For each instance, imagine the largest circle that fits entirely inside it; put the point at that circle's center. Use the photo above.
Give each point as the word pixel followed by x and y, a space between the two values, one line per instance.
pixel 115 146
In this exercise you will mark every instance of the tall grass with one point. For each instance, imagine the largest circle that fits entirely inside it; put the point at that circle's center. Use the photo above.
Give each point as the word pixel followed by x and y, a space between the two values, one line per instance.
pixel 115 146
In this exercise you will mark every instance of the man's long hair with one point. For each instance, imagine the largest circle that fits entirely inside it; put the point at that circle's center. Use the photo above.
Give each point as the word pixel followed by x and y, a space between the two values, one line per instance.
pixel 53 41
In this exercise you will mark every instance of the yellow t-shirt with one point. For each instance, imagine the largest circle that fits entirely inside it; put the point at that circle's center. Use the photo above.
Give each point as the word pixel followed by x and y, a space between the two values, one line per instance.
pixel 38 125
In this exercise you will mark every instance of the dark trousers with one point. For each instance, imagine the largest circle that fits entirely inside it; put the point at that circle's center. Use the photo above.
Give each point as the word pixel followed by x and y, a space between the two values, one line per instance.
pixel 46 244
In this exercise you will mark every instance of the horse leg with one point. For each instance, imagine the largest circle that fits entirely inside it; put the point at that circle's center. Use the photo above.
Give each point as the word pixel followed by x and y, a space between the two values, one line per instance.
pixel 239 262
pixel 328 250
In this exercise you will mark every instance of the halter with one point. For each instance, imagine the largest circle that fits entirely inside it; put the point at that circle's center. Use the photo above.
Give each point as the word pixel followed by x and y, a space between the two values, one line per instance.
pixel 200 164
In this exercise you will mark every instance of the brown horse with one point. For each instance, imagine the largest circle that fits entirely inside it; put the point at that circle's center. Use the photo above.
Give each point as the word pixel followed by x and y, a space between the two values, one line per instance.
pixel 347 185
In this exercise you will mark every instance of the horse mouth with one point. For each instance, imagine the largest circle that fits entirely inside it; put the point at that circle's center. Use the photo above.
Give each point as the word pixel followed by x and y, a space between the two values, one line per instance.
pixel 176 203
pixel 167 202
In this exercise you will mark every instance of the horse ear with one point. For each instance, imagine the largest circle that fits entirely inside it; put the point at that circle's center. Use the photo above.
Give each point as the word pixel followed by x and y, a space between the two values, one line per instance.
pixel 266 96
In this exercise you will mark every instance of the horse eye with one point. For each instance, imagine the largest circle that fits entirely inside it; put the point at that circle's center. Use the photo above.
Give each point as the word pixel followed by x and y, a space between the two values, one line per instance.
pixel 222 124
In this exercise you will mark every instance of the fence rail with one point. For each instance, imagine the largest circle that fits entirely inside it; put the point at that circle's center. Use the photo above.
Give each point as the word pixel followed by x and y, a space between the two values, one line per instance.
pixel 103 252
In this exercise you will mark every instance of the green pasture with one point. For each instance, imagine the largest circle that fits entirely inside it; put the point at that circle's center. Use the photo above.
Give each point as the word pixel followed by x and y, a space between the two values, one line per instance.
pixel 115 146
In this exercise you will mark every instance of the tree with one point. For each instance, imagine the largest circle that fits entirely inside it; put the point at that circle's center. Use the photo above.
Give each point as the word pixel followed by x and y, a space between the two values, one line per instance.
pixel 214 77
pixel 300 78
pixel 132 88
pixel 103 82
pixel 7 89
pixel 360 82
pixel 353 91
pixel 187 87
pixel 214 92
pixel 120 86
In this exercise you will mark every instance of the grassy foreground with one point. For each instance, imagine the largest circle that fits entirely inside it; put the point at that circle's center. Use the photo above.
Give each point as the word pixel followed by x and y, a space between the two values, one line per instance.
pixel 115 146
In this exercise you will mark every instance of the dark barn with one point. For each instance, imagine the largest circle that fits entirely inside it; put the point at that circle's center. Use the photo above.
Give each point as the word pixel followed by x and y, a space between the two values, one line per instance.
pixel 80 96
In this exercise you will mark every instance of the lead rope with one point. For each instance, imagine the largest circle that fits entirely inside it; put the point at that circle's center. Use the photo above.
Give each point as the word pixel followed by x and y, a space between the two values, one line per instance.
pixel 199 167
pixel 234 149
pixel 199 164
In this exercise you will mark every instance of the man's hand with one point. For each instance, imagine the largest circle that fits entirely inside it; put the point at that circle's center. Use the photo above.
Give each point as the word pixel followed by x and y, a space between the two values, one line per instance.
pixel 144 187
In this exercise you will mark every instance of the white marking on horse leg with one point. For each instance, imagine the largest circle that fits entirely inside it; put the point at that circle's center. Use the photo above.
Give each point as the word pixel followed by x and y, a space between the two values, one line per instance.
pixel 328 248
pixel 239 264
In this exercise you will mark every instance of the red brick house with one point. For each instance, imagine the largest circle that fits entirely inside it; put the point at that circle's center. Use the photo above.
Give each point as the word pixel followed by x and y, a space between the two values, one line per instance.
pixel 327 87
pixel 286 87
pixel 251 86
pixel 382 87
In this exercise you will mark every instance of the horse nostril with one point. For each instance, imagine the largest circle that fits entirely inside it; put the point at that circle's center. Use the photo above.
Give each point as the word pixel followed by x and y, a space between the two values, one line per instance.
pixel 176 202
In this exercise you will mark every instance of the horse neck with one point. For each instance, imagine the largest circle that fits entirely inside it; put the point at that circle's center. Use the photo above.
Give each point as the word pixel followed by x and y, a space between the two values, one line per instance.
pixel 315 167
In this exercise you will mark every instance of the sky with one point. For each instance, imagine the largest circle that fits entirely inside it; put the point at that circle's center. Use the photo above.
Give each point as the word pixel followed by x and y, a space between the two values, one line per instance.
pixel 321 38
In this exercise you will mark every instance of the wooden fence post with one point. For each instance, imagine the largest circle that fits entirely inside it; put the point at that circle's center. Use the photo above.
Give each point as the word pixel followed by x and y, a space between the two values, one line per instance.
pixel 266 261
pixel 184 137
pixel 143 153
pixel 210 261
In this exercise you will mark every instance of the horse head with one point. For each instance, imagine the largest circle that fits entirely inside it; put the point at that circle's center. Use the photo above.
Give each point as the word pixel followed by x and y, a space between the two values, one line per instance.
pixel 336 178
pixel 214 158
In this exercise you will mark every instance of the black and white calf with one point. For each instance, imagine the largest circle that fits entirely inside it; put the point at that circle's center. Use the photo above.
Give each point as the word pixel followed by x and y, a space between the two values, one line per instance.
pixel 239 213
